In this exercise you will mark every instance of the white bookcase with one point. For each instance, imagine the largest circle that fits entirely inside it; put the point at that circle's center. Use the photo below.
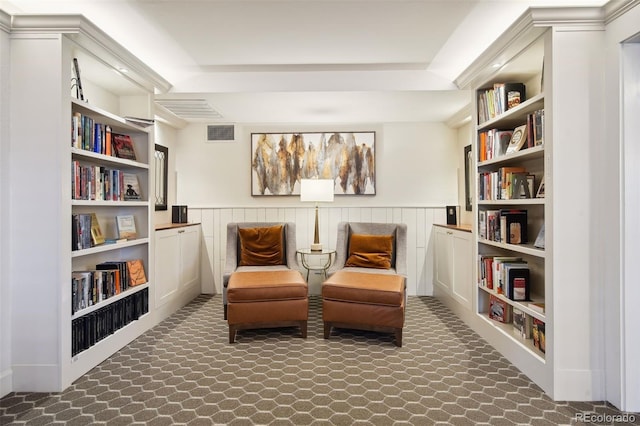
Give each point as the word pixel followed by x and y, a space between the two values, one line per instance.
pixel 554 53
pixel 42 104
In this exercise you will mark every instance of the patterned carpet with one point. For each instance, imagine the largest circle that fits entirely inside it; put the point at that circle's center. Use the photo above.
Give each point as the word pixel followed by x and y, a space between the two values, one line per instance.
pixel 184 371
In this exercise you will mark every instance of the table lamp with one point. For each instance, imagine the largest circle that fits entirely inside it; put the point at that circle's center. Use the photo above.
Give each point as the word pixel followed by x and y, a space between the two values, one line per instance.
pixel 317 191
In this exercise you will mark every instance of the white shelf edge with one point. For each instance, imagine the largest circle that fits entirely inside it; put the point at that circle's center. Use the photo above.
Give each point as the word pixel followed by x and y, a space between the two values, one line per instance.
pixel 107 203
pixel 129 291
pixel 524 154
pixel 506 330
pixel 109 247
pixel 519 248
pixel 83 153
pixel 110 117
pixel 513 201
pixel 520 305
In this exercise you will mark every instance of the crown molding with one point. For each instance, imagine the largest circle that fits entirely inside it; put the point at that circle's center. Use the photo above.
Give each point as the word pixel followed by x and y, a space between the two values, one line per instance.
pixel 616 8
pixel 524 31
pixel 460 118
pixel 5 21
pixel 88 36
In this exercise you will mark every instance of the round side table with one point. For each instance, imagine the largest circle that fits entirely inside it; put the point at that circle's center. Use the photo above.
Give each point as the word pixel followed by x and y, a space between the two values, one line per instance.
pixel 306 254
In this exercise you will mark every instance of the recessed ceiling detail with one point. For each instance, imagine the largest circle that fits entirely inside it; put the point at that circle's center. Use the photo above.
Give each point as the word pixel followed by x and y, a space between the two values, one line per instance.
pixel 190 108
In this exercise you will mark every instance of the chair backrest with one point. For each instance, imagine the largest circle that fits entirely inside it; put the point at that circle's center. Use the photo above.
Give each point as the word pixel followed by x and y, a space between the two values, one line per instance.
pixel 233 241
pixel 398 230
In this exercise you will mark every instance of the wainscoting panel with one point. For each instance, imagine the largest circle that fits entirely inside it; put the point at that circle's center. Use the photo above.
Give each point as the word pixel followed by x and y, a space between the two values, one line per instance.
pixel 419 222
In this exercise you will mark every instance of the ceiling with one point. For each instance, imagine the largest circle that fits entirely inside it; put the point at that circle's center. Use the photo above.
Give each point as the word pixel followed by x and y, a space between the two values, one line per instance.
pixel 306 61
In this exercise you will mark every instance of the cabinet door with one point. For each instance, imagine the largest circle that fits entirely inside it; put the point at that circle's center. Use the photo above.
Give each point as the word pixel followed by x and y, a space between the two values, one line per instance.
pixel 462 285
pixel 167 265
pixel 444 261
pixel 190 255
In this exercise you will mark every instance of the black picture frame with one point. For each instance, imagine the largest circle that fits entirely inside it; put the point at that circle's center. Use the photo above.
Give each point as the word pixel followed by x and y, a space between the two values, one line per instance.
pixel 161 167
pixel 468 167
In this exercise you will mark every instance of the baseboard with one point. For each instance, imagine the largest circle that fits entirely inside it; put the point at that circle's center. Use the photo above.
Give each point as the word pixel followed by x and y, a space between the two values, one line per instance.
pixel 579 385
pixel 6 382
pixel 183 297
pixel 36 378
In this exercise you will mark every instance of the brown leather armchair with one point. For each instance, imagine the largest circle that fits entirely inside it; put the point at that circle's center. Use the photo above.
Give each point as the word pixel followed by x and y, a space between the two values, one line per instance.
pixel 366 288
pixel 233 253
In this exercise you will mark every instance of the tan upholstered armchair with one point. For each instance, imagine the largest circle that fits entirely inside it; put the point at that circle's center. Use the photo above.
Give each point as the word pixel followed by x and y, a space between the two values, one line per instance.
pixel 398 263
pixel 235 256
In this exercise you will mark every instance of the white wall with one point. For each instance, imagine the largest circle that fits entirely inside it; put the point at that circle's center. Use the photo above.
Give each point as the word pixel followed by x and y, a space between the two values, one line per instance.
pixel 620 202
pixel 5 295
pixel 415 166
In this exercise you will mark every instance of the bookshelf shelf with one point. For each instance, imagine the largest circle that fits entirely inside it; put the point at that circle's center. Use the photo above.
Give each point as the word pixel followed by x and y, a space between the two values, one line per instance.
pixel 507 331
pixel 107 160
pixel 534 153
pixel 109 247
pixel 528 249
pixel 110 300
pixel 513 117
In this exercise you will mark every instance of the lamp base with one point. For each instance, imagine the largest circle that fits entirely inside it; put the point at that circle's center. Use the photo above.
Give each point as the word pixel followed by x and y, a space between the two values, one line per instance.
pixel 316 247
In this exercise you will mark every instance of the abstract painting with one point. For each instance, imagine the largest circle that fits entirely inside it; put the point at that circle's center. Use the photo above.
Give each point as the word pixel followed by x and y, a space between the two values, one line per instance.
pixel 280 160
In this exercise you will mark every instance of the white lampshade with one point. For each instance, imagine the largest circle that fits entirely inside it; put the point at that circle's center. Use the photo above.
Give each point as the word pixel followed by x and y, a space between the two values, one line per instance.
pixel 316 190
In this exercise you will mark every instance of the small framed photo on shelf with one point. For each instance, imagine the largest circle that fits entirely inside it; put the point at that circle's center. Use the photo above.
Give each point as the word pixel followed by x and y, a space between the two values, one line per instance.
pixel 126 226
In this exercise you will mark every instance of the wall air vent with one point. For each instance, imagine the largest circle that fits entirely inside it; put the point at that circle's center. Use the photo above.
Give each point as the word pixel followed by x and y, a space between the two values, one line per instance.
pixel 221 133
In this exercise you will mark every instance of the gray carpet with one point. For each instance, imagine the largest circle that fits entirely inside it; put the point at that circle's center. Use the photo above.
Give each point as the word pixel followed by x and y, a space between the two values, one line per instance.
pixel 184 371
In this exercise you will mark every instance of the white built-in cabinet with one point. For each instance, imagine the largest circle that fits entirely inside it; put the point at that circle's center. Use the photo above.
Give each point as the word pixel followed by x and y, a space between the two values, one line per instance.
pixel 453 257
pixel 557 54
pixel 43 101
pixel 177 266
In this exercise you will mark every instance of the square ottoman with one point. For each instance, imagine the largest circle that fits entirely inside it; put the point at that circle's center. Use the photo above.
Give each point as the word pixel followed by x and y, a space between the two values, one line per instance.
pixel 365 301
pixel 267 299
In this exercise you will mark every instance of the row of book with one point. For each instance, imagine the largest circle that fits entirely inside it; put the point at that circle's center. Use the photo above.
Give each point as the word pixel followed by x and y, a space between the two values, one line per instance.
pixel 506 183
pixel 498 99
pixel 90 135
pixel 89 329
pixel 524 326
pixel 86 231
pixel 506 275
pixel 507 226
pixel 108 279
pixel 495 143
pixel 91 182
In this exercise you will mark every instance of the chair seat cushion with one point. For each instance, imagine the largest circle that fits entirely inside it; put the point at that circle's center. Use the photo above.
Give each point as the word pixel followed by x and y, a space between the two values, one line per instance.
pixel 262 286
pixel 361 287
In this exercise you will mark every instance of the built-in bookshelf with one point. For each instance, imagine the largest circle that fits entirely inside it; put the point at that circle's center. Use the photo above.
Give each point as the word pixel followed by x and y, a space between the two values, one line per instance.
pixel 87 292
pixel 532 168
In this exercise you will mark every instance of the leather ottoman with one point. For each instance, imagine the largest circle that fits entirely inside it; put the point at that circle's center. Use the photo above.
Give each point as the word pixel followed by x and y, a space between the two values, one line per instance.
pixel 267 299
pixel 365 301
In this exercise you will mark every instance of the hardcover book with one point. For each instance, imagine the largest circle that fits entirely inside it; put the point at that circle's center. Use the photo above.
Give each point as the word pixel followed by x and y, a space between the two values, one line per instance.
pixel 123 146
pixel 136 272
pixel 126 227
pixel 131 187
pixel 96 232
pixel 538 333
pixel 521 323
pixel 499 310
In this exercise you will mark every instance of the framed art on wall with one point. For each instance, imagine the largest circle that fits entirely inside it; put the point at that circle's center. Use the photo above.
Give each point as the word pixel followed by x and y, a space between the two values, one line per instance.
pixel 280 160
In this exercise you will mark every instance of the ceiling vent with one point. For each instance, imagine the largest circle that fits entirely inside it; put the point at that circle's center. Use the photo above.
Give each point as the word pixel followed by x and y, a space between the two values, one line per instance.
pixel 221 133
pixel 190 109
